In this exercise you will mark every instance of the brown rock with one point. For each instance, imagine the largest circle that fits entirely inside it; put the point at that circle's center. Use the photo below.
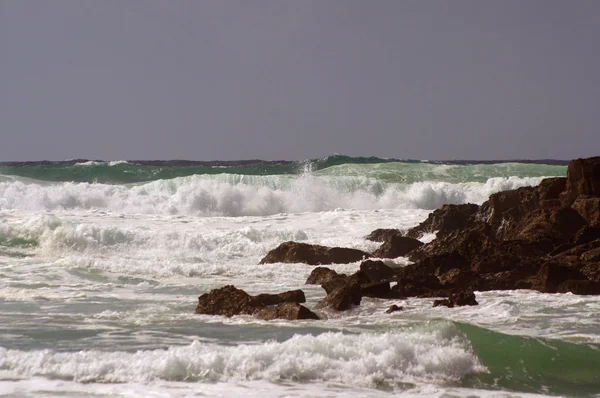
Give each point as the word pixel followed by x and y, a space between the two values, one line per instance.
pixel 394 308
pixel 288 310
pixel 343 297
pixel 295 252
pixel 457 300
pixel 551 188
pixel 321 275
pixel 553 274
pixel 377 271
pixel 381 234
pixel 396 246
pixel 584 287
pixel 446 219
pixel 377 289
pixel 589 209
pixel 229 301
pixel 583 178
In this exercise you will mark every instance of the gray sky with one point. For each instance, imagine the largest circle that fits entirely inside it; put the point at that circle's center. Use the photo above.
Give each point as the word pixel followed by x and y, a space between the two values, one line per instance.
pixel 280 79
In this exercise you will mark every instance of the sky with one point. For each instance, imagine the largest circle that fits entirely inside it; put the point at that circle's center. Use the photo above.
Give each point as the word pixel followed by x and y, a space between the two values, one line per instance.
pixel 276 79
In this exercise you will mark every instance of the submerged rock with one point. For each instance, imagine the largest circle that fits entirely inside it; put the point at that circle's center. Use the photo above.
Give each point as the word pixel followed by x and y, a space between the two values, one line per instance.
pixel 381 234
pixel 295 252
pixel 397 246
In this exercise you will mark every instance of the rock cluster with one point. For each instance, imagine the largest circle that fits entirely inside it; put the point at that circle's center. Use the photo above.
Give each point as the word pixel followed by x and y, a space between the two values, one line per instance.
pixel 545 238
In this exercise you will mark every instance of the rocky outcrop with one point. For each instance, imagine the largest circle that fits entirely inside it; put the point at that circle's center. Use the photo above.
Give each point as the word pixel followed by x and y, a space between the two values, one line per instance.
pixel 381 234
pixel 295 252
pixel 229 301
pixel 545 238
pixel 396 246
pixel 460 299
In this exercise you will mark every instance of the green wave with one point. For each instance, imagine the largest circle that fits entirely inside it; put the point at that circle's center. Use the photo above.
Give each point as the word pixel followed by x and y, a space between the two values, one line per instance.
pixel 385 170
pixel 533 365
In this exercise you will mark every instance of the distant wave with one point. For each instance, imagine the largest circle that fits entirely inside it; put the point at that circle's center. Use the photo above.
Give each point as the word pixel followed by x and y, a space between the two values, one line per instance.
pixel 248 195
pixel 388 170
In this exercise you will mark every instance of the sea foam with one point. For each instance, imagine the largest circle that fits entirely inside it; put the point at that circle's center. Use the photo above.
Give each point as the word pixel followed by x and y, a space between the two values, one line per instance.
pixel 240 195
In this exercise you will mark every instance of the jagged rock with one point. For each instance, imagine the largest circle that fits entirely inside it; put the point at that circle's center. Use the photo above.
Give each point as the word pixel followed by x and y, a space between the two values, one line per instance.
pixel 321 275
pixel 394 308
pixel 381 234
pixel 583 287
pixel 589 209
pixel 343 297
pixel 377 271
pixel 229 301
pixel 226 301
pixel 290 311
pixel 375 289
pixel 264 299
pixel 446 219
pixel 552 275
pixel 460 299
pixel 396 246
pixel 296 252
pixel 583 179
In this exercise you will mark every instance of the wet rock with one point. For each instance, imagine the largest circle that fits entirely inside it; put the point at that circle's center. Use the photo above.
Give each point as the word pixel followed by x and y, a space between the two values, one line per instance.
pixel 552 275
pixel 376 289
pixel 381 234
pixel 589 209
pixel 295 252
pixel 229 301
pixel 377 271
pixel 288 310
pixel 397 246
pixel 446 219
pixel 343 297
pixel 394 308
pixel 583 287
pixel 583 179
pixel 321 275
pixel 457 300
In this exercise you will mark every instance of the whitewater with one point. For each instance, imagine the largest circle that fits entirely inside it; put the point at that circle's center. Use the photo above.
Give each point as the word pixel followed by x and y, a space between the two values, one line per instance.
pixel 101 265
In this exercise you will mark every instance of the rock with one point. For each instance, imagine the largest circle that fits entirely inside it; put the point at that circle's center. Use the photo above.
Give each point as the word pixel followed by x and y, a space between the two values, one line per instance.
pixel 377 271
pixel 295 252
pixel 446 219
pixel 394 308
pixel 592 255
pixel 288 310
pixel 264 299
pixel 381 234
pixel 583 179
pixel 343 297
pixel 457 300
pixel 584 287
pixel 321 275
pixel 553 274
pixel 226 301
pixel 229 301
pixel 376 289
pixel 551 188
pixel 396 246
pixel 589 209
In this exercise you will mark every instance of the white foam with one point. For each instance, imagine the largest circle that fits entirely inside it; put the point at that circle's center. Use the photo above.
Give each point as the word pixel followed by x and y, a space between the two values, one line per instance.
pixel 239 195
pixel 366 360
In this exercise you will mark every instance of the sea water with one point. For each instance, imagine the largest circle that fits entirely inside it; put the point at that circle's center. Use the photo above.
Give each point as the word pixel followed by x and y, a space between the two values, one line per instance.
pixel 101 264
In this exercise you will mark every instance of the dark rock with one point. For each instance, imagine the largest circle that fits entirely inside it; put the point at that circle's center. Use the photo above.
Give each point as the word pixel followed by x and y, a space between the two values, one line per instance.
pixel 396 246
pixel 586 235
pixel 376 289
pixel 381 234
pixel 229 301
pixel 457 300
pixel 321 275
pixel 287 310
pixel 394 308
pixel 583 179
pixel 446 219
pixel 551 188
pixel 226 301
pixel 343 297
pixel 418 285
pixel 264 299
pixel 553 274
pixel 584 287
pixel 589 209
pixel 592 255
pixel 377 271
pixel 295 252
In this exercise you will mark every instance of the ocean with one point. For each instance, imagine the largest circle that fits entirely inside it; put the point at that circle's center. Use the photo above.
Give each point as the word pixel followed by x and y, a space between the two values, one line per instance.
pixel 102 263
